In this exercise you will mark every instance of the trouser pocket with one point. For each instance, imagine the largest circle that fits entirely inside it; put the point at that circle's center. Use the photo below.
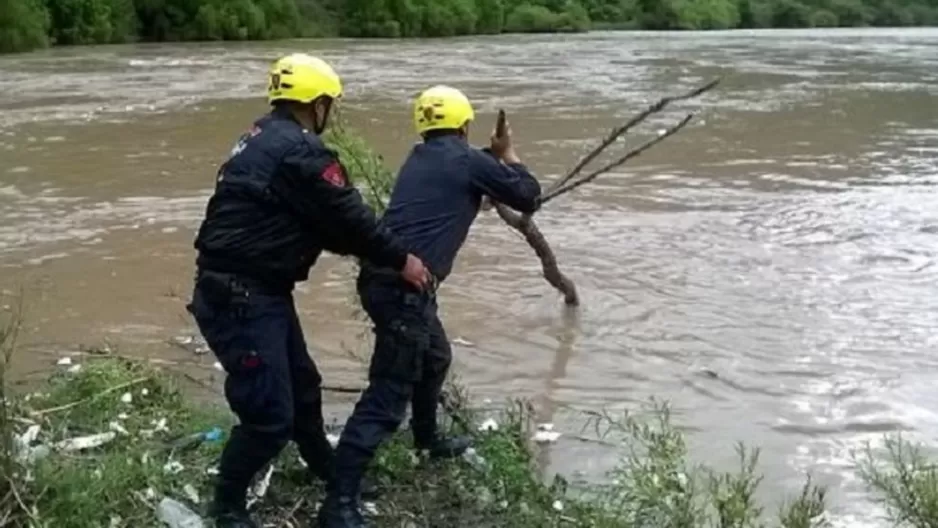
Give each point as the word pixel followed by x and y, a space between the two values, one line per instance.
pixel 400 351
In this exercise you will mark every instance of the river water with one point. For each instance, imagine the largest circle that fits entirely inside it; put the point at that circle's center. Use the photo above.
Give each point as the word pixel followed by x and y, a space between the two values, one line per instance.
pixel 770 270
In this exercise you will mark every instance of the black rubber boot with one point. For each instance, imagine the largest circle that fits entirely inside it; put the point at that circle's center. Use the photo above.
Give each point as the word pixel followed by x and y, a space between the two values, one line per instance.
pixel 442 447
pixel 341 512
pixel 228 510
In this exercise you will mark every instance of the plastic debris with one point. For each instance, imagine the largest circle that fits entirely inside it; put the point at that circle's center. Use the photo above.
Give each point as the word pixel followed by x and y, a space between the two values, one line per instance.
pixel 118 428
pixel 127 397
pixel 545 434
pixel 159 425
pixel 64 362
pixel 176 515
pixel 194 440
pixel 463 342
pixel 150 493
pixel 173 467
pixel 558 505
pixel 191 493
pixel 475 459
pixel 23 448
pixel 489 425
pixel 86 442
pixel 259 489
pixel 212 471
pixel 123 416
pixel 144 392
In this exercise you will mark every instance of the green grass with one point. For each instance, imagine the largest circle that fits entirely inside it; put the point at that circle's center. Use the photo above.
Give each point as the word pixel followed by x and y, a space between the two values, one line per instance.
pixel 655 484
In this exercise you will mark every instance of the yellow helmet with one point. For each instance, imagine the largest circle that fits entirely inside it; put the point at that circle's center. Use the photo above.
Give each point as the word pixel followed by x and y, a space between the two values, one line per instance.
pixel 441 107
pixel 302 78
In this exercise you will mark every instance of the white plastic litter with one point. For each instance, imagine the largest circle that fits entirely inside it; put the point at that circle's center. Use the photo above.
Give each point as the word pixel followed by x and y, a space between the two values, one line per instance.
pixel 176 515
pixel 545 434
pixel 191 493
pixel 123 416
pixel 159 425
pixel 173 466
pixel 558 505
pixel 127 397
pixel 463 342
pixel 144 392
pixel 64 362
pixel 489 425
pixel 86 442
pixel 118 428
pixel 260 487
pixel 475 459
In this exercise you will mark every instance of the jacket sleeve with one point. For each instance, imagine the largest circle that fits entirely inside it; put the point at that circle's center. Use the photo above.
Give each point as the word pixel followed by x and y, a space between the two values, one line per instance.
pixel 510 184
pixel 314 185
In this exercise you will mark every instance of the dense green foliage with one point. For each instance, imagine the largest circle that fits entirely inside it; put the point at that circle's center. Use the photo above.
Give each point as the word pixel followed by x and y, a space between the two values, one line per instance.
pixel 29 24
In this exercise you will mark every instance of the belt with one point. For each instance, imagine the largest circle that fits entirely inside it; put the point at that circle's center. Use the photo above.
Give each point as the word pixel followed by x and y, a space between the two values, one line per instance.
pixel 390 273
pixel 240 284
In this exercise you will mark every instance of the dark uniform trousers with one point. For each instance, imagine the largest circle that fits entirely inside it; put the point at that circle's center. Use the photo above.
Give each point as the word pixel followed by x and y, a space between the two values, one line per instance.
pixel 272 384
pixel 411 359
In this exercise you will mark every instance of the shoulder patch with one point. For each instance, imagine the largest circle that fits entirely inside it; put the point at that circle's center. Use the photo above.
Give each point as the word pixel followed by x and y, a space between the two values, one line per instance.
pixel 333 174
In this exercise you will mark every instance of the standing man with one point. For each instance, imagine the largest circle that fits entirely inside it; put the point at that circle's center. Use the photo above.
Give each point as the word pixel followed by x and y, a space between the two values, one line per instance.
pixel 279 201
pixel 435 200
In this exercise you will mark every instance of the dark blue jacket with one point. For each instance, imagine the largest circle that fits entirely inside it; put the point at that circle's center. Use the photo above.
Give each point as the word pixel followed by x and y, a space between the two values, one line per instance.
pixel 438 192
pixel 279 201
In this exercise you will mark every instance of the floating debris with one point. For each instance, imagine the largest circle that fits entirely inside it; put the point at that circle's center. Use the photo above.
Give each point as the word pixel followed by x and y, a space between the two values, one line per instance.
pixel 558 505
pixel 545 434
pixel 144 392
pixel 64 362
pixel 127 398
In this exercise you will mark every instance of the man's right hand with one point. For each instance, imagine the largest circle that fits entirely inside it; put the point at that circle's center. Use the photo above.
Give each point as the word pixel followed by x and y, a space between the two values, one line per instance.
pixel 502 147
pixel 416 273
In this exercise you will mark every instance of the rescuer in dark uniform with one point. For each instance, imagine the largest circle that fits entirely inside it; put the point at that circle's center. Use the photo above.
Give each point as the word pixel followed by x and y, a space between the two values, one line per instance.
pixel 280 200
pixel 436 198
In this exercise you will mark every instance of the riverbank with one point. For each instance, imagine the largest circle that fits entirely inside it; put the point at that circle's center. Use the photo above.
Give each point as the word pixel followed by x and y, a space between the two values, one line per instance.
pixel 33 24
pixel 109 441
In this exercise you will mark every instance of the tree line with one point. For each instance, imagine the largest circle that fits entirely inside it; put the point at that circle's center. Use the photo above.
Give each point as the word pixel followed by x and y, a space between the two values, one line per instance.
pixel 30 24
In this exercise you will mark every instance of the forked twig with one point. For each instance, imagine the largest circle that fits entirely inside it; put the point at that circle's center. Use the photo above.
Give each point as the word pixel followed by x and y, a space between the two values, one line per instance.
pixel 618 132
pixel 550 195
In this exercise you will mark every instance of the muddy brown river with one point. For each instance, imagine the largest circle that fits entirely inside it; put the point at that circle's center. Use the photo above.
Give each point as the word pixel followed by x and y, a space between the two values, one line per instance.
pixel 786 242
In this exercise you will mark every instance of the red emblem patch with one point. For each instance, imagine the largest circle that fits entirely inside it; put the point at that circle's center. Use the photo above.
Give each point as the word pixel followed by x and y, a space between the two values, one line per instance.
pixel 334 175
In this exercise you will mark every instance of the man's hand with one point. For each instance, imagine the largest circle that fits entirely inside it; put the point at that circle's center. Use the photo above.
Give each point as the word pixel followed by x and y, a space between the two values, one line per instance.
pixel 416 273
pixel 502 147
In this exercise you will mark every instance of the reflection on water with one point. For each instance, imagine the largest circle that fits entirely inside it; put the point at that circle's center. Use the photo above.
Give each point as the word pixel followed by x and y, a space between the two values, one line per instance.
pixel 770 270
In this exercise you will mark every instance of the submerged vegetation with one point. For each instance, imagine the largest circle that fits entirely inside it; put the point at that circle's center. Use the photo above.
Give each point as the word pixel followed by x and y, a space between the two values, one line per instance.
pixel 31 24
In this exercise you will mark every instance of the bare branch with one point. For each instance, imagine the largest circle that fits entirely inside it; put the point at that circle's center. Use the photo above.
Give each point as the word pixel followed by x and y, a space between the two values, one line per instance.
pixel 550 195
pixel 526 226
pixel 618 132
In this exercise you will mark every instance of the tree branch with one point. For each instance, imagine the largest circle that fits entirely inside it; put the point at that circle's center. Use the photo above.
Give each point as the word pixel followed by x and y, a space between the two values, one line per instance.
pixel 526 226
pixel 550 195
pixel 620 131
